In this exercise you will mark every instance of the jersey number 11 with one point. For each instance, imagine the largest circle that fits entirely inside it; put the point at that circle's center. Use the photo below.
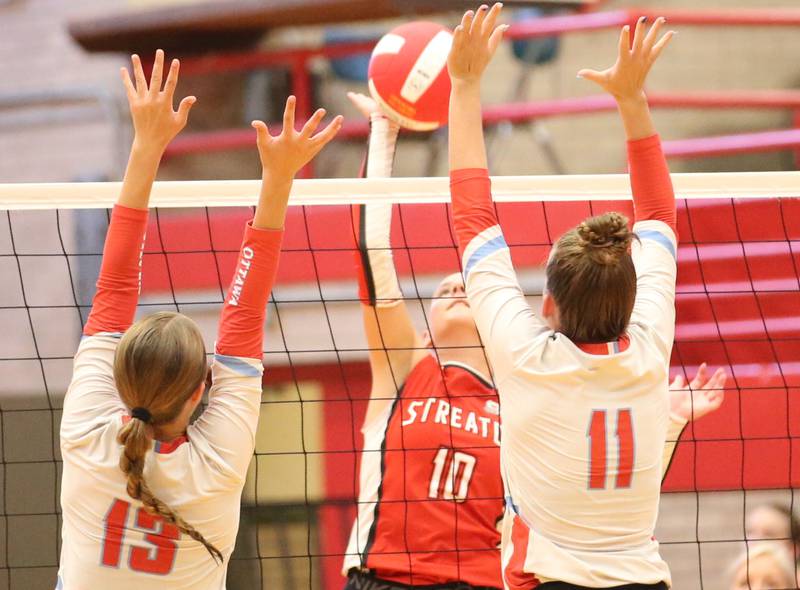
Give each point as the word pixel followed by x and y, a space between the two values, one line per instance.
pixel 598 460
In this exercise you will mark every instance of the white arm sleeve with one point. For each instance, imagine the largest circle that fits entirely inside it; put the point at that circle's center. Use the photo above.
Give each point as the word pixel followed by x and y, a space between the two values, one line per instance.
pixel 376 218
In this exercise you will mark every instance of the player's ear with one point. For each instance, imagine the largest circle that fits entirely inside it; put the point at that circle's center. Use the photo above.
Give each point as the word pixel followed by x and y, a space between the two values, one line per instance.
pixel 427 341
pixel 549 309
pixel 198 393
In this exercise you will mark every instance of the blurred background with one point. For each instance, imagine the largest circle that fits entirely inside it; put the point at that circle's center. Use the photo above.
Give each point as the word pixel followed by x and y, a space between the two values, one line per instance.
pixel 726 97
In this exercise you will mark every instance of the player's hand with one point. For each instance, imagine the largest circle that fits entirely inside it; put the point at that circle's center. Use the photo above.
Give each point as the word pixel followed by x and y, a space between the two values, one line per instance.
pixel 155 123
pixel 475 41
pixel 283 155
pixel 702 396
pixel 625 79
pixel 366 105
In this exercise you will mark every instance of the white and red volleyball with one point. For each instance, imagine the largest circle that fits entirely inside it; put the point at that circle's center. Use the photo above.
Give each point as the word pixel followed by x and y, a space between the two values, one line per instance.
pixel 408 75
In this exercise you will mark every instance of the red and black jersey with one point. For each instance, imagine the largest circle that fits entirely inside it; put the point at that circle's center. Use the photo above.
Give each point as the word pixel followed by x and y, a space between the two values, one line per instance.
pixel 431 494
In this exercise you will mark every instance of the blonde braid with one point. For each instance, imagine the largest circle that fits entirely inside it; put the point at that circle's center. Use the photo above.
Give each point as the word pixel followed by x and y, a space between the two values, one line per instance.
pixel 136 440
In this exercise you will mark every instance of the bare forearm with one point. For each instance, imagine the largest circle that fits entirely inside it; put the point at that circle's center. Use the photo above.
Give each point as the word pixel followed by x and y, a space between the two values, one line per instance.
pixel 636 118
pixel 467 148
pixel 140 175
pixel 273 200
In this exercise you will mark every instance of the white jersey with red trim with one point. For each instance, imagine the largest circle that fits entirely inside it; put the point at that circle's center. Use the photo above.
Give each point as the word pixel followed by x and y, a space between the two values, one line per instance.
pixel 583 433
pixel 109 540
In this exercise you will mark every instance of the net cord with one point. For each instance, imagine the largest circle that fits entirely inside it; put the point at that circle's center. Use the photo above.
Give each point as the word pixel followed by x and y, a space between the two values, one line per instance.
pixel 348 191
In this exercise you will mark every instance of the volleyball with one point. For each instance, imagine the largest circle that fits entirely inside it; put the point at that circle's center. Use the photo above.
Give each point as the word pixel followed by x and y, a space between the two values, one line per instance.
pixel 408 75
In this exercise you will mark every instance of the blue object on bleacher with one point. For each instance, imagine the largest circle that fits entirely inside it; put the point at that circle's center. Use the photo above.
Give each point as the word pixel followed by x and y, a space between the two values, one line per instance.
pixel 536 51
pixel 352 68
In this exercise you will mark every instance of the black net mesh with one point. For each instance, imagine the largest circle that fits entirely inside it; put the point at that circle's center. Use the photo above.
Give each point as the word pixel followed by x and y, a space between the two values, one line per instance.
pixel 738 308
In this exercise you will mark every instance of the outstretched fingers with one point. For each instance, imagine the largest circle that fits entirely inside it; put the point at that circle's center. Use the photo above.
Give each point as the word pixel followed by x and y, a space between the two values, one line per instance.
pixel 593 76
pixel 652 34
pixel 662 43
pixel 639 35
pixel 491 19
pixel 262 131
pixel 480 17
pixel 138 75
pixel 157 73
pixel 126 81
pixel 625 43
pixel 496 37
pixel 678 383
pixel 321 139
pixel 172 79
pixel 183 109
pixel 466 22
pixel 311 125
pixel 717 380
pixel 701 378
pixel 288 114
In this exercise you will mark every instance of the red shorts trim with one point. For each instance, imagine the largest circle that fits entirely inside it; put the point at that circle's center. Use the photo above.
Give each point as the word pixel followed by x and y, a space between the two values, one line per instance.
pixel 514 574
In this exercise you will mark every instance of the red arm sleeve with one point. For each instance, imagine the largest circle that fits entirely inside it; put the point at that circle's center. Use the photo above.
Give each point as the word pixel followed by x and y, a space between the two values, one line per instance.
pixel 118 285
pixel 653 196
pixel 241 326
pixel 473 209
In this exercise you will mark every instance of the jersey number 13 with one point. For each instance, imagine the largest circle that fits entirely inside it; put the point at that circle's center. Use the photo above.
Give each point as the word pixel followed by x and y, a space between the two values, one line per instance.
pixel 161 535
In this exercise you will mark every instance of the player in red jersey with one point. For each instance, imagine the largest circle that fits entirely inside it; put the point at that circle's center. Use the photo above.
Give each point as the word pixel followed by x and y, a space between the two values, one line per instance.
pixel 431 492
pixel 149 500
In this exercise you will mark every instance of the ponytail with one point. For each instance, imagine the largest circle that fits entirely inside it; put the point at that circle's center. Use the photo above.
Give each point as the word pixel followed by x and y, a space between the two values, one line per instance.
pixel 136 442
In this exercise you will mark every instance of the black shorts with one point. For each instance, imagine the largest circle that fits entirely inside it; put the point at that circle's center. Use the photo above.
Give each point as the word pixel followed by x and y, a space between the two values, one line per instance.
pixel 357 580
pixel 565 586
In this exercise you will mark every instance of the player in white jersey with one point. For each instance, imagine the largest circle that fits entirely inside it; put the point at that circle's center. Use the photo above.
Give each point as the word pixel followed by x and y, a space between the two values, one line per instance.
pixel 583 387
pixel 149 500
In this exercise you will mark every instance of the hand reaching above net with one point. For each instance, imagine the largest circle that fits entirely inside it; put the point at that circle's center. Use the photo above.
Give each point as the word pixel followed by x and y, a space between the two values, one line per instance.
pixel 475 41
pixel 282 156
pixel 286 153
pixel 625 79
pixel 155 123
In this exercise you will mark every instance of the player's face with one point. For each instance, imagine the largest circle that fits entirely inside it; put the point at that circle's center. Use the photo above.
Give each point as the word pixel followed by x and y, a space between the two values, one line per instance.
pixel 764 523
pixel 451 317
pixel 761 573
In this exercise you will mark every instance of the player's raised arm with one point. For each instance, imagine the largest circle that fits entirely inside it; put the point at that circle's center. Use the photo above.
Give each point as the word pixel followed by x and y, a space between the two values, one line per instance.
pixel 282 156
pixel 653 196
pixel 155 124
pixel 93 392
pixel 394 344
pixel 504 319
pixel 230 420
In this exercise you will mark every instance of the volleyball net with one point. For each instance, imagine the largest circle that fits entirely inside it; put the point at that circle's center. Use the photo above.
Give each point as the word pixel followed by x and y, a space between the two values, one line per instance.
pixel 738 307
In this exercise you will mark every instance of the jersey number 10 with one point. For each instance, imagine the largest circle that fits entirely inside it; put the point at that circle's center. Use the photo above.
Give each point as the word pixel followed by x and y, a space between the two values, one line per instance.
pixel 598 460
pixel 160 534
pixel 456 478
